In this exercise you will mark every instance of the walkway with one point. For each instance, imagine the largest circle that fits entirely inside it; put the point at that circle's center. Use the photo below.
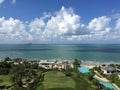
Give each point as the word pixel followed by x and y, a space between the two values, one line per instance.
pixel 101 78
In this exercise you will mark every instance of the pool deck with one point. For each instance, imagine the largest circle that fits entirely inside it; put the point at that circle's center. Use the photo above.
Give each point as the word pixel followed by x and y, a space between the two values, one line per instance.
pixel 90 66
pixel 116 86
pixel 101 78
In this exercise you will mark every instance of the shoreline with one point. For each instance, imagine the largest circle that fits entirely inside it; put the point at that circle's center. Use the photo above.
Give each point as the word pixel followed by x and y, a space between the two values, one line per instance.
pixel 84 62
pixel 100 63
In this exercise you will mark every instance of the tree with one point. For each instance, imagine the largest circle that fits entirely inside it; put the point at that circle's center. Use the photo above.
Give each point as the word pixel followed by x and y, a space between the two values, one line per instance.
pixel 4 68
pixel 7 59
pixel 35 66
pixel 76 64
pixel 113 77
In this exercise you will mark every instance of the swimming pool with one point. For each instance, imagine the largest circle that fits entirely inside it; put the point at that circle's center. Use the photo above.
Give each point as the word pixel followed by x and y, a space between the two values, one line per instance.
pixel 107 85
pixel 83 69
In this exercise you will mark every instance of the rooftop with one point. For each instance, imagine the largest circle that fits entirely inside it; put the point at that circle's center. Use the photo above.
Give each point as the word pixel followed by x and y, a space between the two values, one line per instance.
pixel 109 68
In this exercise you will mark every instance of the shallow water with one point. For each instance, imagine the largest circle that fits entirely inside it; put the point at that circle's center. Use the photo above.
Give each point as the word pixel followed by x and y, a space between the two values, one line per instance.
pixel 108 85
pixel 85 52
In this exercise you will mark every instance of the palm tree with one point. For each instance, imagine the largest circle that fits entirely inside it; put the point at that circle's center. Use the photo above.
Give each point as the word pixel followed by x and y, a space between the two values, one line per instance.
pixel 76 64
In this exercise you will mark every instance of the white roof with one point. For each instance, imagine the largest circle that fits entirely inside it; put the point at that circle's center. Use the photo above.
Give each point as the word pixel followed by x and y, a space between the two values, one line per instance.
pixel 46 61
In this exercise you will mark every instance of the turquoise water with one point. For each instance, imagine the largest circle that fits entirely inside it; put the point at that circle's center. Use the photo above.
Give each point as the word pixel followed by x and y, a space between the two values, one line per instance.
pixel 85 52
pixel 83 69
pixel 108 85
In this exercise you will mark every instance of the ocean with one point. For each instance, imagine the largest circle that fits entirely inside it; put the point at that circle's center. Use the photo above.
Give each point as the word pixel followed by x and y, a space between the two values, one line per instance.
pixel 84 52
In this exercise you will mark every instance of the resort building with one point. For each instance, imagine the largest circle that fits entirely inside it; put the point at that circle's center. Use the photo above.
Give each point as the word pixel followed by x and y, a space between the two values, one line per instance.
pixel 118 71
pixel 119 75
pixel 46 64
pixel 16 63
pixel 59 66
pixel 108 70
pixel 63 65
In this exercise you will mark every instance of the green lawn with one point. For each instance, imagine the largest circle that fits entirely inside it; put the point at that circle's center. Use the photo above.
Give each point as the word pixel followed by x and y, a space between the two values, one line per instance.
pixel 83 83
pixel 5 80
pixel 55 80
pixel 39 72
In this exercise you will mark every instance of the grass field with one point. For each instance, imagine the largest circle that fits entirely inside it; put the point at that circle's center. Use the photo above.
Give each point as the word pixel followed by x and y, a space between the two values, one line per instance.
pixel 5 80
pixel 83 83
pixel 55 80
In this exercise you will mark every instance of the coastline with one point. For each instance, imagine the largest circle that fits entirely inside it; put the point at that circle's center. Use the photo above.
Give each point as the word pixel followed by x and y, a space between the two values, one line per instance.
pixel 84 62
pixel 88 64
pixel 100 62
pixel 62 64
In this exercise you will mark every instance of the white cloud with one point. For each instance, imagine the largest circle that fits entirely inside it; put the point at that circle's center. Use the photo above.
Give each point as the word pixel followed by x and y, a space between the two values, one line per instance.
pixel 13 1
pixel 117 24
pixel 99 24
pixel 63 25
pixel 1 1
pixel 13 30
pixel 36 26
pixel 116 16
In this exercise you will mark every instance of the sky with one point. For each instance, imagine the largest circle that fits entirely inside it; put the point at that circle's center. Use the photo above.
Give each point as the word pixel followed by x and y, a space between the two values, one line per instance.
pixel 59 21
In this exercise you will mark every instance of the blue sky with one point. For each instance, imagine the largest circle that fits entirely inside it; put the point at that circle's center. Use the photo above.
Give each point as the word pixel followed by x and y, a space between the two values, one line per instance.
pixel 35 8
pixel 59 21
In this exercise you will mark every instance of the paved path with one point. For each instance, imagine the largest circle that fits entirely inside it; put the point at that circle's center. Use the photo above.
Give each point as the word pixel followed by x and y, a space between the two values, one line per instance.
pixel 101 78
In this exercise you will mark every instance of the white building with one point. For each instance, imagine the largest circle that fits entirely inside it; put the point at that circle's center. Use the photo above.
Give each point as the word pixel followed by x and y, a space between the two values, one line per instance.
pixel 119 76
pixel 108 70
pixel 63 65
pixel 46 64
pixel 118 71
pixel 59 66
